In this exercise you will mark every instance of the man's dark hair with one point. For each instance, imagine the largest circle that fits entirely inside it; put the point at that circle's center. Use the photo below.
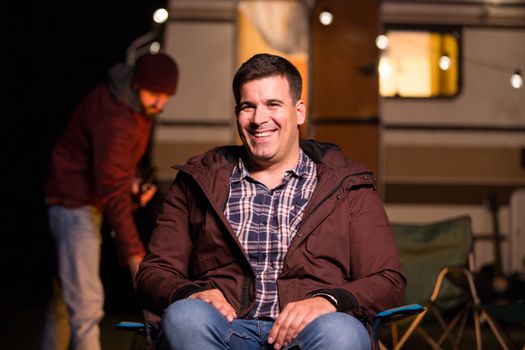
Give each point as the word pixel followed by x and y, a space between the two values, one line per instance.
pixel 264 65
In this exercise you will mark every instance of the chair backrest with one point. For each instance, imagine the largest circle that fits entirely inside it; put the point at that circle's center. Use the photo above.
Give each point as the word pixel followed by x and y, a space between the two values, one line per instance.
pixel 424 249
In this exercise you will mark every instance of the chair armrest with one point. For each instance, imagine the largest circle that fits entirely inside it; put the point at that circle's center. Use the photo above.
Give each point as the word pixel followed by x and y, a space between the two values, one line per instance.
pixel 461 277
pixel 397 313
pixel 130 326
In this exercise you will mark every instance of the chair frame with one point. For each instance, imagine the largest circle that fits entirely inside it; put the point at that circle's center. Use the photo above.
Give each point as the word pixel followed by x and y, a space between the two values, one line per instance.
pixel 471 307
pixel 475 307
pixel 392 316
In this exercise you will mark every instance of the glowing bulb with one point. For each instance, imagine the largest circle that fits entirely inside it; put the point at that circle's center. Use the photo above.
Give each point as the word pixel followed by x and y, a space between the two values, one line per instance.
pixel 444 62
pixel 516 80
pixel 382 41
pixel 154 48
pixel 326 18
pixel 160 15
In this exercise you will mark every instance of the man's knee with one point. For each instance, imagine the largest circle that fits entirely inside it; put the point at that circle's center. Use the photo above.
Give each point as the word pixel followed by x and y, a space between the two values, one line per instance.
pixel 188 313
pixel 192 324
pixel 179 311
pixel 338 331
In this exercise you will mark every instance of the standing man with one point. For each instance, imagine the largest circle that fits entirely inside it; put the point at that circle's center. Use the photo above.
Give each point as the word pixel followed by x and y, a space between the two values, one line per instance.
pixel 93 173
pixel 280 243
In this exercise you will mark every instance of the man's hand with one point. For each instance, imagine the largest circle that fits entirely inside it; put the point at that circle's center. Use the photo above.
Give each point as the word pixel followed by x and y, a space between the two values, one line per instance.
pixel 217 299
pixel 133 264
pixel 294 317
pixel 145 192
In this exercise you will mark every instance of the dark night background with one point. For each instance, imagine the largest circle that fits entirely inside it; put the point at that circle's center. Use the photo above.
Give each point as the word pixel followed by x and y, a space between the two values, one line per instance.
pixel 54 52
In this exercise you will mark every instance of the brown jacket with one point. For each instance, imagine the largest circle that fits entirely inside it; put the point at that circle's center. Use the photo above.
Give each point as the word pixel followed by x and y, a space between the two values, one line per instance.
pixel 344 244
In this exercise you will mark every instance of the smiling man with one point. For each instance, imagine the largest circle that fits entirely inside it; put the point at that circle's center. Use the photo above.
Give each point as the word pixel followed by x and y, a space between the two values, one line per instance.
pixel 277 244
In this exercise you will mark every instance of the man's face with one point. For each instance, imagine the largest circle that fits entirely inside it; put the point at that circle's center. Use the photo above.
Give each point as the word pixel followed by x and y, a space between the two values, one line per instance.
pixel 152 102
pixel 267 122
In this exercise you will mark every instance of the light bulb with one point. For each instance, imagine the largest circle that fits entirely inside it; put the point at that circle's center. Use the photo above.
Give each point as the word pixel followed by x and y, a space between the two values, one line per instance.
pixel 444 62
pixel 326 18
pixel 382 41
pixel 154 48
pixel 516 80
pixel 160 15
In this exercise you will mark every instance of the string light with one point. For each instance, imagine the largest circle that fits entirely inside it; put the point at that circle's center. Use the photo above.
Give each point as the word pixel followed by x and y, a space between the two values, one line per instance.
pixel 382 41
pixel 326 18
pixel 444 62
pixel 155 47
pixel 516 80
pixel 160 15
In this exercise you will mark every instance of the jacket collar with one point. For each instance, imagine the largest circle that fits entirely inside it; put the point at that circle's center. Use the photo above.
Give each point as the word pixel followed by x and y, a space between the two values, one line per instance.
pixel 212 170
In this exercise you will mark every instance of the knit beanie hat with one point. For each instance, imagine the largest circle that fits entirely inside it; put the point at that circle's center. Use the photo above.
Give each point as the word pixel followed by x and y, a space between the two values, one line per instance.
pixel 156 72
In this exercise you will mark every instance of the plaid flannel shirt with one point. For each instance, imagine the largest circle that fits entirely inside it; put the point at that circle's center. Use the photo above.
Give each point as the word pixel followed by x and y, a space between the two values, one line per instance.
pixel 265 221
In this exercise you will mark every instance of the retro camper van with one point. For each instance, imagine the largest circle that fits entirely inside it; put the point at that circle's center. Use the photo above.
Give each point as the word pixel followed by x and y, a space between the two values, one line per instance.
pixel 427 93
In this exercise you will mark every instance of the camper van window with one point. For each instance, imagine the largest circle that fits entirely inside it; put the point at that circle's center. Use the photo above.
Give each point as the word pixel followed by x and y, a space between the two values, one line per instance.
pixel 419 63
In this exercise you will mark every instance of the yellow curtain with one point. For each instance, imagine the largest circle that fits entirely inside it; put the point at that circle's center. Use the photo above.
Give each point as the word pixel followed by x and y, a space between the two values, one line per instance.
pixel 443 82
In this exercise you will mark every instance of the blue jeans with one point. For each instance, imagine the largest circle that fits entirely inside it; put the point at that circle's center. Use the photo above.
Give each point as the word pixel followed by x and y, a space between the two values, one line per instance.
pixel 77 304
pixel 195 324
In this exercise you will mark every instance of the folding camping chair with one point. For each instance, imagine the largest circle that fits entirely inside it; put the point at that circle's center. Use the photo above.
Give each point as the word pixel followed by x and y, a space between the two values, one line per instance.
pixel 437 260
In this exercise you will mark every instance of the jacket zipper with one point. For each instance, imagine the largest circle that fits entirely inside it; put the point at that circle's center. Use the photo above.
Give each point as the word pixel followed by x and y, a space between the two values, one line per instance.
pixel 245 292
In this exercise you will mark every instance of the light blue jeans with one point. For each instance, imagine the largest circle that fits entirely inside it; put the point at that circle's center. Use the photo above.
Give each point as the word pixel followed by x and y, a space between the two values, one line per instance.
pixel 77 304
pixel 195 324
